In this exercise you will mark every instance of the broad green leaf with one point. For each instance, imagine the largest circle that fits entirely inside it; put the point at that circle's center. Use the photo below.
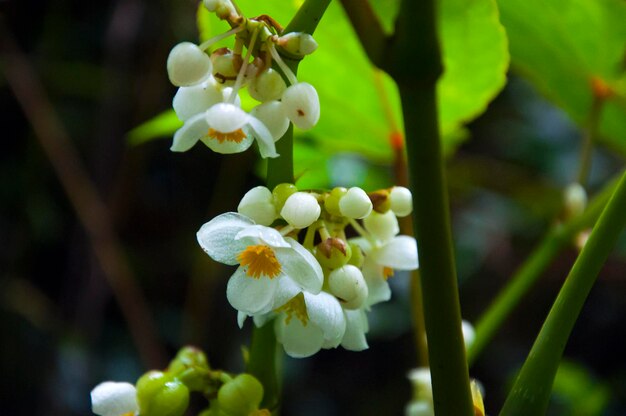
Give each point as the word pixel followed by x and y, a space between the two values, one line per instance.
pixel 161 126
pixel 562 46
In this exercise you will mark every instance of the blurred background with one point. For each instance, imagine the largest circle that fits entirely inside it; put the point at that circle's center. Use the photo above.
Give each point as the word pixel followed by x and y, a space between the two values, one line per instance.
pixel 115 287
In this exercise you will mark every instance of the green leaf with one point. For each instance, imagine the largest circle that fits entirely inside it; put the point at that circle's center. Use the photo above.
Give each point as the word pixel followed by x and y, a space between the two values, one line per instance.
pixel 561 46
pixel 162 126
pixel 577 392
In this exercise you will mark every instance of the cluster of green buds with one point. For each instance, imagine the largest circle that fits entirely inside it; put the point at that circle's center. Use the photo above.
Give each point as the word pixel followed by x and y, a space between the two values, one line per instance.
pixel 209 82
pixel 322 257
pixel 167 393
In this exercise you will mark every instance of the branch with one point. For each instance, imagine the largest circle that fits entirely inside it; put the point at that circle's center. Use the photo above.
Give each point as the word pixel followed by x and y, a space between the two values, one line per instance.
pixel 368 29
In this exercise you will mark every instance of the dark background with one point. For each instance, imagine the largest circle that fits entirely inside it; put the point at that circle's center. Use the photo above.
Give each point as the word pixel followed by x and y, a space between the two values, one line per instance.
pixel 102 65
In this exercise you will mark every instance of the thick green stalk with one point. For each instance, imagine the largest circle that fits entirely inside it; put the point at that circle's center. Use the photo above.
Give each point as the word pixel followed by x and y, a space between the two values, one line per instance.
pixel 415 65
pixel 531 392
pixel 263 361
pixel 552 244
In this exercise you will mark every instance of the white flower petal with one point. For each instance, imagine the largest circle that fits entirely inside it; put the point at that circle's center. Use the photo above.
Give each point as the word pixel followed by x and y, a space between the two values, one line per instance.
pixel 378 287
pixel 241 318
pixel 356 327
pixel 217 237
pixel 250 295
pixel 272 115
pixel 113 399
pixel 188 135
pixel 264 138
pixel 325 312
pixel 258 204
pixel 226 118
pixel 399 253
pixel 299 341
pixel 287 290
pixel 362 242
pixel 300 265
pixel 382 226
pixel 190 101
pixel 227 147
pixel 266 235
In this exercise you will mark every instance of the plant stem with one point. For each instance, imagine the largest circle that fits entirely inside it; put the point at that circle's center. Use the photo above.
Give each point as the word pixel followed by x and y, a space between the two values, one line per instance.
pixel 367 27
pixel 263 361
pixel 531 392
pixel 588 140
pixel 552 244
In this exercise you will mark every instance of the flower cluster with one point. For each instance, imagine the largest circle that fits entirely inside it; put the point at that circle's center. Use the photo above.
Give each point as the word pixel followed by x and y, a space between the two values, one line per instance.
pixel 167 393
pixel 298 266
pixel 208 102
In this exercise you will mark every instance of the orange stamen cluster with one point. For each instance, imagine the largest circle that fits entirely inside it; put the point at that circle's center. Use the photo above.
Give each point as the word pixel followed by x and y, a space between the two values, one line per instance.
pixel 259 260
pixel 295 307
pixel 387 272
pixel 236 136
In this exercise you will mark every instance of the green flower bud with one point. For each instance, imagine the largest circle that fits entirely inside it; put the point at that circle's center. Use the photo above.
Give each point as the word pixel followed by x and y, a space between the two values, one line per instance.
pixel 240 396
pixel 348 285
pixel 333 253
pixel 188 357
pixel 160 394
pixel 357 258
pixel 380 200
pixel 281 193
pixel 332 201
pixel 355 204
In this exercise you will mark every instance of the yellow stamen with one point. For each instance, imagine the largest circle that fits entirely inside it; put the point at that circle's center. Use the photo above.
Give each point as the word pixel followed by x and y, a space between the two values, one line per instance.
pixel 387 272
pixel 129 414
pixel 234 136
pixel 260 261
pixel 295 306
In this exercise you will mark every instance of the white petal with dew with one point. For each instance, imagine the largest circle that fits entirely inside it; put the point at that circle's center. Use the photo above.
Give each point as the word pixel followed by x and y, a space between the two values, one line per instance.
pixel 188 135
pixel 259 234
pixel 356 327
pixel 399 253
pixel 226 117
pixel 301 266
pixel 325 311
pixel 113 399
pixel 264 138
pixel 250 295
pixel 299 341
pixel 217 237
pixel 190 101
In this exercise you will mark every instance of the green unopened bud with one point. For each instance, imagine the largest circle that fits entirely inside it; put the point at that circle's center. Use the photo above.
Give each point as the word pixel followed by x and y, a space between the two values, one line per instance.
pixel 225 66
pixel 188 357
pixel 380 201
pixel 332 201
pixel 281 193
pixel 301 210
pixel 357 258
pixel 348 285
pixel 333 253
pixel 401 201
pixel 298 43
pixel 159 394
pixel 355 204
pixel 240 396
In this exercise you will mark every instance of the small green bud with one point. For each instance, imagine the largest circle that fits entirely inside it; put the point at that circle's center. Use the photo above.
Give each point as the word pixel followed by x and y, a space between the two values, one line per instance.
pixel 186 358
pixel 160 394
pixel 357 258
pixel 332 201
pixel 281 193
pixel 240 396
pixel 333 253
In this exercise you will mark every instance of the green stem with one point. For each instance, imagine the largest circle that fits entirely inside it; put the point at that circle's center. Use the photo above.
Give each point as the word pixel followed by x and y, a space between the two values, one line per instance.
pixel 588 139
pixel 367 27
pixel 262 362
pixel 531 392
pixel 552 244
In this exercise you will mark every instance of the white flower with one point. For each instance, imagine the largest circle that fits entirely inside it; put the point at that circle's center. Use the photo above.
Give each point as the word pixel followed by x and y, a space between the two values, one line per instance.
pixel 187 64
pixel 267 261
pixel 356 328
pixel 196 99
pixel 355 203
pixel 384 252
pixel 301 209
pixel 114 399
pixel 302 105
pixel 307 322
pixel 224 128
pixel 258 205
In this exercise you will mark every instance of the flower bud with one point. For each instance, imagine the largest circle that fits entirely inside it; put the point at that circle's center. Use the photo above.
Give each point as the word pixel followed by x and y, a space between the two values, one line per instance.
pixel 188 357
pixel 357 257
pixel 575 200
pixel 355 204
pixel 225 66
pixel 401 201
pixel 348 285
pixel 240 396
pixel 187 65
pixel 298 43
pixel 331 203
pixel 333 253
pixel 258 205
pixel 222 8
pixel 382 226
pixel 302 105
pixel 281 192
pixel 301 210
pixel 380 200
pixel 272 115
pixel 112 399
pixel 268 85
pixel 160 394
